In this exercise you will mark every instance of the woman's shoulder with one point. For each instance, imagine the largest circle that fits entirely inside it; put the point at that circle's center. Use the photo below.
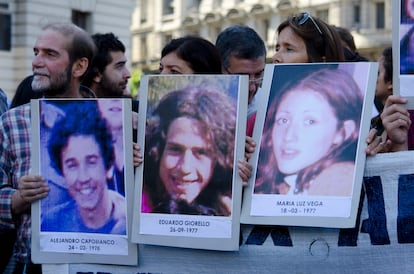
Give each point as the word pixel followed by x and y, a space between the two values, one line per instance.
pixel 335 180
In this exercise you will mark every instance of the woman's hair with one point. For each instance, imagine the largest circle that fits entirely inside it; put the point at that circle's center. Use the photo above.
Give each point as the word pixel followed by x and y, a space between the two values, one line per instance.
pixel 344 96
pixel 387 54
pixel 202 56
pixel 346 37
pixel 215 111
pixel 323 43
pixel 376 122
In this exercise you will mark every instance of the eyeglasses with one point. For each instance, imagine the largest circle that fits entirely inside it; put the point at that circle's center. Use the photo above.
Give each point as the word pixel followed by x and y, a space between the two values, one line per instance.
pixel 257 81
pixel 253 79
pixel 305 17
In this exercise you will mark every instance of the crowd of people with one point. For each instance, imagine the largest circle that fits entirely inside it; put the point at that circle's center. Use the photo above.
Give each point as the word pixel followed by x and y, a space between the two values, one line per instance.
pixel 69 63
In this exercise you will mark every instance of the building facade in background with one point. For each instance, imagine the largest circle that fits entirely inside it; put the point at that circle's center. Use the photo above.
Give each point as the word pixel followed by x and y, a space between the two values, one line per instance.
pixel 156 22
pixel 145 26
pixel 21 22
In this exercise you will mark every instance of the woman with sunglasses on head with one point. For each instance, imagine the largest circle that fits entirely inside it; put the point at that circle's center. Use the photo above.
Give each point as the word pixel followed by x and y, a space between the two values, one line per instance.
pixel 306 39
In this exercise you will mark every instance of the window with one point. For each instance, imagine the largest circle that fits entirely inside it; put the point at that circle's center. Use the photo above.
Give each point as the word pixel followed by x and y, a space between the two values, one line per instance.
pixel 284 4
pixel 323 15
pixel 262 27
pixel 357 15
pixel 266 25
pixel 82 20
pixel 143 11
pixel 5 27
pixel 167 38
pixel 380 12
pixel 213 32
pixel 167 7
pixel 5 31
pixel 197 4
pixel 143 49
pixel 194 7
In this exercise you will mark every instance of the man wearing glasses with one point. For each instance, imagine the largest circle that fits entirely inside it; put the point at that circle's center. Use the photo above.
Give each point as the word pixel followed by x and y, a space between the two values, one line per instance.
pixel 243 52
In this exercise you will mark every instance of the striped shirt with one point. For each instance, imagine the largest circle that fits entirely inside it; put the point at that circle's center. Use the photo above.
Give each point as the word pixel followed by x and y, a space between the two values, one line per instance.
pixel 3 102
pixel 411 131
pixel 14 163
pixel 15 157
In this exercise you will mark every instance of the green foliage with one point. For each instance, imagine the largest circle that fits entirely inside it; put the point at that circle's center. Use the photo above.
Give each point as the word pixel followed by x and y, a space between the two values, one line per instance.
pixel 135 81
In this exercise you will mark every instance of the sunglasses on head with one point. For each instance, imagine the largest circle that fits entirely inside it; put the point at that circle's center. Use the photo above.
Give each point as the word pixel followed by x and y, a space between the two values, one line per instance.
pixel 305 17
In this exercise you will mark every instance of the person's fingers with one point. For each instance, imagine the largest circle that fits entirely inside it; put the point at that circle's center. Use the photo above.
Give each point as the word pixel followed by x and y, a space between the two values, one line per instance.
pixel 375 146
pixel 245 170
pixel 371 135
pixel 32 188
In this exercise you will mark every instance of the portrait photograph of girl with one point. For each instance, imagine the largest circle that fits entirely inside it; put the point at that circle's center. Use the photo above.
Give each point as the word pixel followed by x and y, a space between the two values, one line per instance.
pixel 310 136
pixel 406 33
pixel 309 162
pixel 404 47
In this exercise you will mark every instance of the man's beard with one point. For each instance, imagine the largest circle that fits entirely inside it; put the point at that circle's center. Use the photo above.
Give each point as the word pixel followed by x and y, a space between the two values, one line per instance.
pixel 109 89
pixel 57 85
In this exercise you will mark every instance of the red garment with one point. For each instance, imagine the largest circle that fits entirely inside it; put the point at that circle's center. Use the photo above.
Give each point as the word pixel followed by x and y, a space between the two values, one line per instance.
pixel 411 131
pixel 146 206
pixel 250 124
